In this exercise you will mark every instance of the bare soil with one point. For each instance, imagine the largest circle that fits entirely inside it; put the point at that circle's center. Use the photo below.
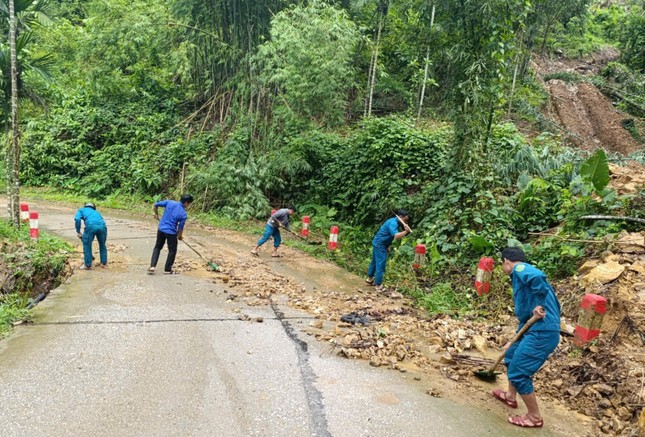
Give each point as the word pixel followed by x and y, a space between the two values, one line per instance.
pixel 588 118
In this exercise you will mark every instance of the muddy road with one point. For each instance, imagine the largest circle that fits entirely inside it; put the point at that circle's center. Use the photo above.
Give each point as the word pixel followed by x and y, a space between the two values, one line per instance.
pixel 119 352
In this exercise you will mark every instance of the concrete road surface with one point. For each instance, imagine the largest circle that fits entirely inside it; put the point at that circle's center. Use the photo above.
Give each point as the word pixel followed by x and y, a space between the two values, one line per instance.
pixel 118 352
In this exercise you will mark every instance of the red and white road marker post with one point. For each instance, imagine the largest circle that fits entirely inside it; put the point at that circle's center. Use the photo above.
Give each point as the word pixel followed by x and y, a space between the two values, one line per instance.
pixel 33 225
pixel 24 212
pixel 333 238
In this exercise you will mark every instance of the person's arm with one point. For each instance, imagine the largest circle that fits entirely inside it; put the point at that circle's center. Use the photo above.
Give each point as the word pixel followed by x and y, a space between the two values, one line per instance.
pixel 155 210
pixel 539 287
pixel 77 223
pixel 394 230
pixel 180 226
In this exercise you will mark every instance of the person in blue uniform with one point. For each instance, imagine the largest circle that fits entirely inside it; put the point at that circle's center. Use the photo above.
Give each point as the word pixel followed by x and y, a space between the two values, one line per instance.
pixel 272 229
pixel 171 229
pixel 532 295
pixel 94 227
pixel 387 233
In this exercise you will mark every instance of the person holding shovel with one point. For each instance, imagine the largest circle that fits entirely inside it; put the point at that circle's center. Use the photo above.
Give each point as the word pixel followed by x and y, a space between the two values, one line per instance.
pixel 171 229
pixel 272 229
pixel 533 297
pixel 387 233
pixel 94 227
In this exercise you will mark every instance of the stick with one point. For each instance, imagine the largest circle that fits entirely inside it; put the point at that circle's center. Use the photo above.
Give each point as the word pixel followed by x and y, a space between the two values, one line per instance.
pixel 611 217
pixel 546 234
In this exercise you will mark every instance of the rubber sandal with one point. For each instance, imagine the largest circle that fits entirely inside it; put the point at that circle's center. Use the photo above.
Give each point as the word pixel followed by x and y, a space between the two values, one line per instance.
pixel 255 253
pixel 526 422
pixel 151 270
pixel 275 255
pixel 369 281
pixel 172 272
pixel 84 267
pixel 500 395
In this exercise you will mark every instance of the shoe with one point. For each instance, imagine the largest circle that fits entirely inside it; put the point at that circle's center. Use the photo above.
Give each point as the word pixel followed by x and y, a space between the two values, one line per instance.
pixel 172 272
pixel 151 270
pixel 369 281
pixel 104 266
pixel 84 267
pixel 380 289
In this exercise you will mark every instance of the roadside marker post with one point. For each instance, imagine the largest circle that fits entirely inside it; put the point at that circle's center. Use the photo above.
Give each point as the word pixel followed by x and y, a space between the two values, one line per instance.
pixel 33 225
pixel 592 311
pixel 333 238
pixel 24 212
pixel 305 226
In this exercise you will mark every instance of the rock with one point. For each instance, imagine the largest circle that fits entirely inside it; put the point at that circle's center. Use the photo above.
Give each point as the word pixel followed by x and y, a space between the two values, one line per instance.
pixel 617 424
pixel 604 389
pixel 558 383
pixel 575 390
pixel 446 358
pixel 480 343
pixel 624 414
pixel 632 243
pixel 602 274
pixel 375 362
pixel 641 423
pixel 259 319
pixel 436 340
pixel 604 403
pixel 638 267
pixel 318 324
pixel 588 265
pixel 461 334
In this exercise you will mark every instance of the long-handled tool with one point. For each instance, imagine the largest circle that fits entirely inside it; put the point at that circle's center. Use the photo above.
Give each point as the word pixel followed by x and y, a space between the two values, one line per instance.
pixel 211 264
pixel 490 375
pixel 405 225
pixel 314 243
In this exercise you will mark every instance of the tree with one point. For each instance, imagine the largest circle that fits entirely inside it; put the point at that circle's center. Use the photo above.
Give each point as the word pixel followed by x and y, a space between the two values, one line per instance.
pixel 306 64
pixel 18 14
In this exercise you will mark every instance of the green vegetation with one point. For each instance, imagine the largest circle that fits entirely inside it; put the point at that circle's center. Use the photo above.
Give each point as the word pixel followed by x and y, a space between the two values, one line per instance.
pixel 27 268
pixel 349 109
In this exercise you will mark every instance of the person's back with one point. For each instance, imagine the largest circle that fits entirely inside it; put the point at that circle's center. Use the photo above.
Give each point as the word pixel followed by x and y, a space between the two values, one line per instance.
pixel 91 217
pixel 386 233
pixel 530 289
pixel 173 217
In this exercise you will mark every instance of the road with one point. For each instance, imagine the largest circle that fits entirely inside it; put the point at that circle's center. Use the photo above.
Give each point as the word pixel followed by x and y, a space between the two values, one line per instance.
pixel 118 352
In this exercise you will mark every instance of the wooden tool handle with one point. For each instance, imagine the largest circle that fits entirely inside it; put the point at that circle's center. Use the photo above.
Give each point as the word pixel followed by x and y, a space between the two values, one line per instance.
pixel 519 334
pixel 405 225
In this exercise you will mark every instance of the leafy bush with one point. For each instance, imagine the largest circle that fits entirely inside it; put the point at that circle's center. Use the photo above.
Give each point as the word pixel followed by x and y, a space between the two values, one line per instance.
pixel 383 166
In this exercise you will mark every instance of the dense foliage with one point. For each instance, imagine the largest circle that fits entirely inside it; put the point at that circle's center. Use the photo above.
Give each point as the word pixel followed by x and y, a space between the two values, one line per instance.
pixel 350 109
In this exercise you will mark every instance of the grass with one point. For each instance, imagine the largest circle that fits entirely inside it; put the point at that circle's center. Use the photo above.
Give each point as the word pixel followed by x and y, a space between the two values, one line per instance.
pixel 24 258
pixel 13 307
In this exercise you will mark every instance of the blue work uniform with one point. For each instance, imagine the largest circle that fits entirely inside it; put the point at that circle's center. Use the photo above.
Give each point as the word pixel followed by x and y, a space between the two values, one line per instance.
pixel 172 221
pixel 524 358
pixel 272 228
pixel 380 244
pixel 94 227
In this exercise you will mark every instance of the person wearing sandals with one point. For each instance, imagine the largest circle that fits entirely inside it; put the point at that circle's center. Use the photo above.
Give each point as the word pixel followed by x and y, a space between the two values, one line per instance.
pixel 272 229
pixel 533 296
pixel 386 234
pixel 171 229
pixel 94 227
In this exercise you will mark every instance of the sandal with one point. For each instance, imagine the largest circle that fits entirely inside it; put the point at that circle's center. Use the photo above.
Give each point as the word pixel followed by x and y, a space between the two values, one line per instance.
pixel 369 281
pixel 500 395
pixel 255 252
pixel 276 255
pixel 526 421
pixel 151 270
pixel 84 267
pixel 172 272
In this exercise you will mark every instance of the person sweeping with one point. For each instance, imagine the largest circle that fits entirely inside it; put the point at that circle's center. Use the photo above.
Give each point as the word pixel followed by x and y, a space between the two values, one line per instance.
pixel 171 229
pixel 533 296
pixel 387 233
pixel 272 229
pixel 94 227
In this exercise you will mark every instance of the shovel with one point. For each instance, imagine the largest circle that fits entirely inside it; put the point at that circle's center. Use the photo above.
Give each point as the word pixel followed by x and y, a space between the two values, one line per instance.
pixel 212 265
pixel 490 375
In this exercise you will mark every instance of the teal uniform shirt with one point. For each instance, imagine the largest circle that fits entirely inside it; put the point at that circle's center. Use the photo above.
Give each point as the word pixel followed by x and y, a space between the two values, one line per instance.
pixel 385 235
pixel 530 289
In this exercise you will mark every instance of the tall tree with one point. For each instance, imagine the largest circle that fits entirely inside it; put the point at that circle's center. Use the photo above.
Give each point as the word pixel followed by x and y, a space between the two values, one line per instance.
pixel 13 167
